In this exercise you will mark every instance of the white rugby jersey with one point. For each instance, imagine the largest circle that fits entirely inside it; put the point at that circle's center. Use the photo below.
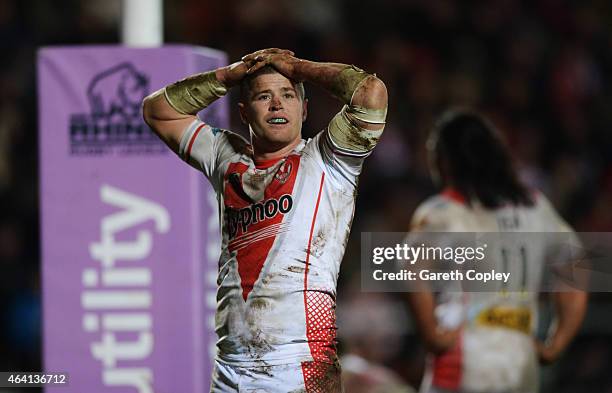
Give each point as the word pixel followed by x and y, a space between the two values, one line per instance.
pixel 495 352
pixel 285 224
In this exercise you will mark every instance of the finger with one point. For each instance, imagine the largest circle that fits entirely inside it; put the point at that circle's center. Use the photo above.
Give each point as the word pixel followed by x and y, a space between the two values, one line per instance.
pixel 249 57
pixel 277 51
pixel 250 61
pixel 265 58
pixel 256 54
pixel 273 50
pixel 256 67
pixel 283 52
pixel 246 65
pixel 268 51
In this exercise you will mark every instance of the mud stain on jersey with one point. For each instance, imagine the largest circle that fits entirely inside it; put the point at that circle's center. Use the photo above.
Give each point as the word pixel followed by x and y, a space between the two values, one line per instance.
pixel 318 243
pixel 345 240
pixel 257 346
pixel 361 139
pixel 296 269
pixel 255 184
pixel 259 304
pixel 301 269
pixel 270 276
pixel 255 341
pixel 266 280
pixel 263 368
pixel 323 377
pixel 339 212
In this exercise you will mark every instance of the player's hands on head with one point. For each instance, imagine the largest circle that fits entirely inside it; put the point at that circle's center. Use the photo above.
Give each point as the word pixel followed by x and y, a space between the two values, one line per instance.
pixel 281 59
pixel 266 52
pixel 232 74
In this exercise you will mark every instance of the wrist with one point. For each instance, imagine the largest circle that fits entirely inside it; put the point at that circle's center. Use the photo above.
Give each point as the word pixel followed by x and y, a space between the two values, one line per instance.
pixel 232 74
pixel 192 94
pixel 221 75
pixel 299 69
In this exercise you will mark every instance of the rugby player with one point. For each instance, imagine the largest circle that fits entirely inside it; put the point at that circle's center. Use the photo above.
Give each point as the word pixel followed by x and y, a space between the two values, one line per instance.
pixel 286 206
pixel 484 341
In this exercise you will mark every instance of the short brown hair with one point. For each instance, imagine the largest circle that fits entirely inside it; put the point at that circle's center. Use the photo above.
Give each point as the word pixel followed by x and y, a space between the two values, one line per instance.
pixel 246 83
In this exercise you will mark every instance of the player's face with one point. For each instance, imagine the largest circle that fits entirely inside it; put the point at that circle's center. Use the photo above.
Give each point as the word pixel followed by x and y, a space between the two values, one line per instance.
pixel 274 112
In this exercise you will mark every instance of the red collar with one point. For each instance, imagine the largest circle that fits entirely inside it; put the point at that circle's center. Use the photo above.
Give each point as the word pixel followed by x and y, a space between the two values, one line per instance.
pixel 265 164
pixel 454 195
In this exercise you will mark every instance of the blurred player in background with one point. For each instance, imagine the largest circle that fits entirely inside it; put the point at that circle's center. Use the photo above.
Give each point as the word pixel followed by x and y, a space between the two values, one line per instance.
pixel 484 341
pixel 286 206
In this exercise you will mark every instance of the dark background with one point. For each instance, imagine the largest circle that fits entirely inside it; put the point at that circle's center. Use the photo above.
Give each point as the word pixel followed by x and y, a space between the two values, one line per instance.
pixel 540 69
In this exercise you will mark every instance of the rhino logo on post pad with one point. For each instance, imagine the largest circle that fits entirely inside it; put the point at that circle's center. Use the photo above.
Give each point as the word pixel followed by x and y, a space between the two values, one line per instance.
pixel 114 123
pixel 117 94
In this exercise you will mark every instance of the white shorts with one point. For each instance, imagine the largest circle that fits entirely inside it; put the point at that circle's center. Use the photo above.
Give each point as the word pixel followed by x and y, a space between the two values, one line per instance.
pixel 307 377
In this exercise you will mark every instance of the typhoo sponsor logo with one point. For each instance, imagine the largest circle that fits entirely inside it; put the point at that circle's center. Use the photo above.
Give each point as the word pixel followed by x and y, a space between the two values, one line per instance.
pixel 243 218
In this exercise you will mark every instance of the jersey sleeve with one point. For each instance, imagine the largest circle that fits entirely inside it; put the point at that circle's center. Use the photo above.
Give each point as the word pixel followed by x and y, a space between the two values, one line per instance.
pixel 347 133
pixel 345 163
pixel 206 148
pixel 344 168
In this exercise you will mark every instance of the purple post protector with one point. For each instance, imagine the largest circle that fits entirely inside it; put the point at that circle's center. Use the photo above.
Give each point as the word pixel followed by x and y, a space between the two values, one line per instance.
pixel 129 231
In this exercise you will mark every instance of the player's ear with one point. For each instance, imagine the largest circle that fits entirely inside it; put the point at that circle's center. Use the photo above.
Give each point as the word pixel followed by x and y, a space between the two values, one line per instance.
pixel 304 109
pixel 242 111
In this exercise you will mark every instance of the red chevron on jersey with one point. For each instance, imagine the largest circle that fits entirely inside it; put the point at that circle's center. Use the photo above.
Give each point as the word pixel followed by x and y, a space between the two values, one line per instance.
pixel 253 223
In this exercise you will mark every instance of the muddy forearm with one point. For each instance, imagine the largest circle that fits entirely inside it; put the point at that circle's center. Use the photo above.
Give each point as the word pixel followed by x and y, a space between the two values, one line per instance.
pixel 340 80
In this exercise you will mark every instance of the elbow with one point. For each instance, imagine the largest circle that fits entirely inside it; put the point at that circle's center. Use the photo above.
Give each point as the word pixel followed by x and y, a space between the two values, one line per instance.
pixel 371 94
pixel 152 107
pixel 149 115
pixel 378 91
pixel 146 111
